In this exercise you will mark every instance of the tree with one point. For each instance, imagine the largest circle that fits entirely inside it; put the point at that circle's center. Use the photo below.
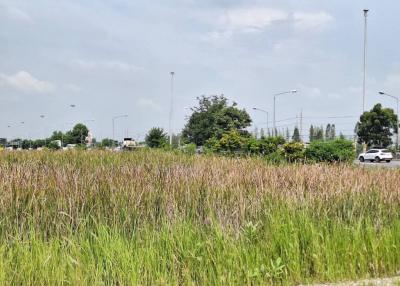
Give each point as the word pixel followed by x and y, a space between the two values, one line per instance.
pixel 214 117
pixel 156 138
pixel 296 135
pixel 287 134
pixel 333 132
pixel 107 142
pixel 312 133
pixel 262 134
pixel 76 136
pixel 375 126
pixel 338 150
pixel 328 132
pixel 319 133
pixel 57 135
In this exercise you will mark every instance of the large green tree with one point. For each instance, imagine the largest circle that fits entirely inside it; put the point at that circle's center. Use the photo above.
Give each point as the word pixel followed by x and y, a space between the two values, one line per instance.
pixel 156 138
pixel 77 135
pixel 213 117
pixel 375 126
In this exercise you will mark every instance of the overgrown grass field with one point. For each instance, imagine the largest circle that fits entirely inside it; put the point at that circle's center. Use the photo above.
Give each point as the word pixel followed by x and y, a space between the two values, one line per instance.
pixel 159 218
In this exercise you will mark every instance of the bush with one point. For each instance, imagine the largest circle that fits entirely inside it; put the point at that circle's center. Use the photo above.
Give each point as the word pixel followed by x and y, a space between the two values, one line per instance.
pixel 189 149
pixel 252 146
pixel 294 151
pixel 53 146
pixel 212 145
pixel 275 157
pixel 338 150
pixel 269 145
pixel 231 142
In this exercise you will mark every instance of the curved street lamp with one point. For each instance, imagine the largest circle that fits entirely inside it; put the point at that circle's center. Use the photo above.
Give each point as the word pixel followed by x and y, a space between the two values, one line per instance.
pixel 397 123
pixel 275 96
pixel 262 110
pixel 113 125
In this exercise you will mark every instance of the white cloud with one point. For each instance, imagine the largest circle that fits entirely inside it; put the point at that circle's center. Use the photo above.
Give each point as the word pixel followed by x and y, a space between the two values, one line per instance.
pixel 105 65
pixel 251 19
pixel 20 15
pixel 73 87
pixel 25 82
pixel 306 21
pixel 16 13
pixel 149 103
pixel 310 91
pixel 242 20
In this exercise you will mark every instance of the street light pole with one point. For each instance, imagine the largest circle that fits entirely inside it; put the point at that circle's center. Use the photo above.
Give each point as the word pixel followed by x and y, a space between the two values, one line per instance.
pixel 20 141
pixel 113 125
pixel 275 96
pixel 171 108
pixel 262 110
pixel 397 122
pixel 365 55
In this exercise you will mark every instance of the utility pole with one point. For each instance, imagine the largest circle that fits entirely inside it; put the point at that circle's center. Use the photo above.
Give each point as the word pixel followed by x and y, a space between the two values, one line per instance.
pixel 171 108
pixel 365 55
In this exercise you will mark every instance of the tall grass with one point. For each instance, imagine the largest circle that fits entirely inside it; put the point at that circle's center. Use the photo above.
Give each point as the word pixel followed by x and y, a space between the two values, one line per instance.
pixel 158 218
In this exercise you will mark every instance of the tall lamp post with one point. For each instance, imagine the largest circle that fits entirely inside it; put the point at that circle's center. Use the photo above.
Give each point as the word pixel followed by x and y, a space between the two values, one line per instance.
pixel 397 123
pixel 171 107
pixel 365 55
pixel 262 110
pixel 113 125
pixel 275 96
pixel 20 142
pixel 42 117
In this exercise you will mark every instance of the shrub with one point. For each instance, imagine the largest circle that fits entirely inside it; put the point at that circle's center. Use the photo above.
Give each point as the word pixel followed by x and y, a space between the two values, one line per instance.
pixel 156 138
pixel 231 142
pixel 294 151
pixel 338 150
pixel 268 145
pixel 275 157
pixel 252 146
pixel 212 145
pixel 53 146
pixel 189 149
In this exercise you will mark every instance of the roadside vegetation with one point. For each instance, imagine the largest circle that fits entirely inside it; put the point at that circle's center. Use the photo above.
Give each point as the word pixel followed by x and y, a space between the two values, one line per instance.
pixel 152 217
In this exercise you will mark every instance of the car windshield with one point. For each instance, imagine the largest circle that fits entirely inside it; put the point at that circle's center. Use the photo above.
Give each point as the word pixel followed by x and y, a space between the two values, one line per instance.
pixel 385 151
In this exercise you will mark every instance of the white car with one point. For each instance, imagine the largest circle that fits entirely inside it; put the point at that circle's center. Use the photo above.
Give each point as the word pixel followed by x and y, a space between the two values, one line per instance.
pixel 376 155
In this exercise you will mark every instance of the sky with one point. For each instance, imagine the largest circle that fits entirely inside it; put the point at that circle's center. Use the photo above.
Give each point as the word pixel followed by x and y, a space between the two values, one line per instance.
pixel 111 58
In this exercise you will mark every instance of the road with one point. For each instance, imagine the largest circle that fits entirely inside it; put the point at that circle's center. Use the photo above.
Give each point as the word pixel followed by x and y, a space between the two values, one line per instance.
pixel 374 282
pixel 392 164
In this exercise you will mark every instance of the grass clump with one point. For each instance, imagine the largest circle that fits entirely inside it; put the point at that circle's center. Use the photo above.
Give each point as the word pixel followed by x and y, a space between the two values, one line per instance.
pixel 159 218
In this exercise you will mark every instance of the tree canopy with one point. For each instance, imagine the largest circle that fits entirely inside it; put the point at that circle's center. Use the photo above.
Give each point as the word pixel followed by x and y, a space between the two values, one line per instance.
pixel 156 138
pixel 375 126
pixel 296 135
pixel 212 118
